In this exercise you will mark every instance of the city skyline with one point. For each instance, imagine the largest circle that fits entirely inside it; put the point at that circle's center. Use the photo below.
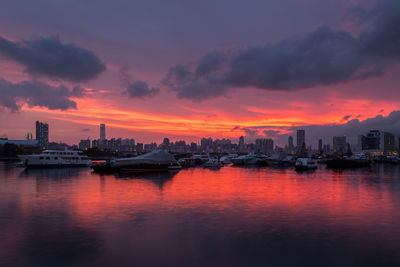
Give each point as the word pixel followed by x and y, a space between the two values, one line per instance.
pixel 159 80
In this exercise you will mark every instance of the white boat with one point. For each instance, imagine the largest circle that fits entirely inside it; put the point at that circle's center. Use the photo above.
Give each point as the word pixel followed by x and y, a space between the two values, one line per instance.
pixel 225 160
pixel 213 163
pixel 56 158
pixel 158 159
pixel 305 164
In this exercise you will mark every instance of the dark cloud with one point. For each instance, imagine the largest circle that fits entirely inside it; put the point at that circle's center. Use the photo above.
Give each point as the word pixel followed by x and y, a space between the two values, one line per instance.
pixel 271 133
pixel 51 58
pixel 322 57
pixel 258 131
pixel 140 89
pixel 250 132
pixel 345 118
pixel 37 94
pixel 86 130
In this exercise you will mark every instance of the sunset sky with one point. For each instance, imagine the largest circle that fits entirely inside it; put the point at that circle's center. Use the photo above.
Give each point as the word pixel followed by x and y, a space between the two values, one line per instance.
pixel 190 69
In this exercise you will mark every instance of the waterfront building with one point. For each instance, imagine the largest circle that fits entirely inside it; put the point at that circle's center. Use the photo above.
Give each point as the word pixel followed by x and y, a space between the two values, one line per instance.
pixel 339 144
pixel 28 136
pixel 84 144
pixel 102 132
pixel 139 147
pixel 379 142
pixel 128 145
pixel 206 144
pixel 290 143
pixel 264 145
pixel 301 138
pixel 27 143
pixel 95 143
pixel 389 143
pixel 193 147
pixel 42 134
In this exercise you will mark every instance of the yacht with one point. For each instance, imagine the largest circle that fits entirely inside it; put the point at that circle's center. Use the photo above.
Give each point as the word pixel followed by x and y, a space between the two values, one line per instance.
pixel 56 158
pixel 156 160
pixel 213 163
pixel 305 164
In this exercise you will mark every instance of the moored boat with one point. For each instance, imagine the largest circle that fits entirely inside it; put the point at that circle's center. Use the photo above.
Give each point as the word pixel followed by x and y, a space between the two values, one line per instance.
pixel 157 160
pixel 56 159
pixel 347 163
pixel 213 163
pixel 305 164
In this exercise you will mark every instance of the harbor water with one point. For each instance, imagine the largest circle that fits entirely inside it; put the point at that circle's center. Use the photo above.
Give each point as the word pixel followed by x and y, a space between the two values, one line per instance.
pixel 200 217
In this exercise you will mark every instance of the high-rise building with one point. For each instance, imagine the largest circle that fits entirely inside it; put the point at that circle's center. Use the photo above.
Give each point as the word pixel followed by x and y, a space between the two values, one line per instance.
pixel 42 134
pixel 379 142
pixel 320 149
pixel 102 132
pixel 339 144
pixel 301 138
pixel 389 145
pixel 371 141
pixel 290 143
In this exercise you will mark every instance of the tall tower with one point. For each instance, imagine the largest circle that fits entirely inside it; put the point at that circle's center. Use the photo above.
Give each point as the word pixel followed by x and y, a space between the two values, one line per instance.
pixel 241 141
pixel 301 138
pixel 42 134
pixel 290 142
pixel 320 149
pixel 102 132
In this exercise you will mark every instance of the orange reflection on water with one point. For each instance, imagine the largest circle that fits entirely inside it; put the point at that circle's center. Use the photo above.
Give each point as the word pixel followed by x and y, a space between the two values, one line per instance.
pixel 250 191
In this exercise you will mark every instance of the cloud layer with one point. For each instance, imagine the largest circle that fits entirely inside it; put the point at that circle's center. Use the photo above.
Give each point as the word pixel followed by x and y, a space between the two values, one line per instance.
pixel 51 58
pixel 37 94
pixel 322 57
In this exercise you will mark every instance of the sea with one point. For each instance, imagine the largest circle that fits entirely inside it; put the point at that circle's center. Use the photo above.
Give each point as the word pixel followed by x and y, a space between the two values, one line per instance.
pixel 231 216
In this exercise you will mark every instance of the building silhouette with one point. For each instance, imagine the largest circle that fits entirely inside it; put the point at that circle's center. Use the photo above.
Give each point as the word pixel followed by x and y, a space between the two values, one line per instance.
pixel 102 132
pixel 339 144
pixel 42 134
pixel 301 138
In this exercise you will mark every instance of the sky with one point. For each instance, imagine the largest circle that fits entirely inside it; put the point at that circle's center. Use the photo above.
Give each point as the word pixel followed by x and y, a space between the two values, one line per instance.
pixel 190 69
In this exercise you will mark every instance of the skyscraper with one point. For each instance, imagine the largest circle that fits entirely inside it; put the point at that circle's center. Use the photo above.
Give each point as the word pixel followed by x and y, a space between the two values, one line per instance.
pixel 339 144
pixel 301 138
pixel 42 134
pixel 102 132
pixel 320 146
pixel 290 143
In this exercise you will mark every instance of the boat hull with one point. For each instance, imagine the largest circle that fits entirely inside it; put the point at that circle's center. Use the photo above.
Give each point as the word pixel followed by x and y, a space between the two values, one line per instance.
pixel 48 166
pixel 107 168
pixel 347 164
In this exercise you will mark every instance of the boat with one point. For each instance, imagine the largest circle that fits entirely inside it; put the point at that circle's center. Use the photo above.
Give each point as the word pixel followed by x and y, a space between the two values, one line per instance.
pixel 245 160
pixel 305 164
pixel 347 163
pixel 156 160
pixel 213 163
pixel 56 158
pixel 225 160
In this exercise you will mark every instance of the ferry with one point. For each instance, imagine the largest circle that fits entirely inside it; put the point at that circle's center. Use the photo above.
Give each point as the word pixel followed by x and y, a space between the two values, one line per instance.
pixel 56 158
